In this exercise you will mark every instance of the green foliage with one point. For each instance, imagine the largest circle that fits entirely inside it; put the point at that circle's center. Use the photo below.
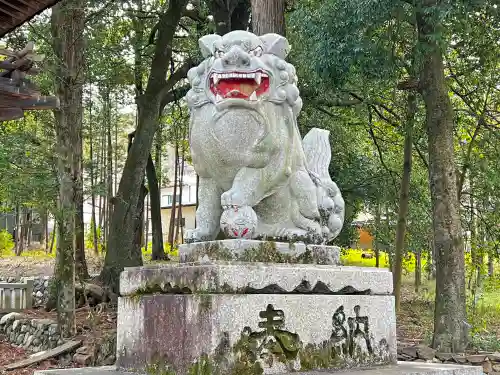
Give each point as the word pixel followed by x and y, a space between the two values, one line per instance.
pixel 6 242
pixel 89 238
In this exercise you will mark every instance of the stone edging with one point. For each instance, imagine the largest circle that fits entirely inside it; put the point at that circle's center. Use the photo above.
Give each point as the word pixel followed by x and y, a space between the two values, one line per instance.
pixel 421 353
pixel 31 334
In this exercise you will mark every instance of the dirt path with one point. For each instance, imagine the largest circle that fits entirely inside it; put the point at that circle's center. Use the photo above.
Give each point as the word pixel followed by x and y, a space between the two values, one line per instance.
pixel 25 266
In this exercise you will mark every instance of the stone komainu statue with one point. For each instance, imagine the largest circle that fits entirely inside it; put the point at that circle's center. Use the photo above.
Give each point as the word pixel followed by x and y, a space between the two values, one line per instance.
pixel 258 178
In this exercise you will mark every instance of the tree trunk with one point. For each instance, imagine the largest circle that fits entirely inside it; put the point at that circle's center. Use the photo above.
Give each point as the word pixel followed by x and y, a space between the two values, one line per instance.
pixel 268 16
pixel 145 223
pixel 171 227
pixel 19 238
pixel 29 226
pixel 93 223
pixel 418 270
pixel 158 253
pixel 121 250
pixel 43 225
pixel 53 240
pixel 450 332
pixel 45 230
pixel 232 17
pixel 404 197
pixel 80 260
pixel 67 27
pixel 377 239
pixel 179 209
pixel 109 160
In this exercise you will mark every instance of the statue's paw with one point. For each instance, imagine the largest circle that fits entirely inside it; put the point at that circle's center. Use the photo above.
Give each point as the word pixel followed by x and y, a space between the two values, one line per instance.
pixel 197 235
pixel 232 198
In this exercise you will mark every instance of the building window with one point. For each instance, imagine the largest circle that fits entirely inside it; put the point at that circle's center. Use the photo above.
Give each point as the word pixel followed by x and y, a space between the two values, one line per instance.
pixel 169 199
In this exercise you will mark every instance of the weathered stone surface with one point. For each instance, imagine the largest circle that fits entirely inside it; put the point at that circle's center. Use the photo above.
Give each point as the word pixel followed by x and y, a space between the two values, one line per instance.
pixel 257 176
pixel 255 278
pixel 444 356
pixel 494 357
pixel 258 251
pixel 10 317
pixel 476 359
pixel 402 368
pixel 294 331
pixel 487 367
pixel 424 352
pixel 82 359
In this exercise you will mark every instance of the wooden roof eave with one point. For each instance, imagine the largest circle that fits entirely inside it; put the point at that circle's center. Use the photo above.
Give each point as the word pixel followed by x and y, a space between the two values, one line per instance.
pixel 14 13
pixel 17 93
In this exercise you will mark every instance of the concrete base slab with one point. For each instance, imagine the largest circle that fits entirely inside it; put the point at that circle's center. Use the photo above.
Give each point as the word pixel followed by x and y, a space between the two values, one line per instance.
pixel 271 333
pixel 258 251
pixel 402 368
pixel 255 278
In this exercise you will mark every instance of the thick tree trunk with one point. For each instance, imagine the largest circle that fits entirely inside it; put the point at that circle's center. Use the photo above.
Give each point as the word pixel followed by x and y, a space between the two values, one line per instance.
pixel 450 332
pixel 268 16
pixel 121 251
pixel 158 253
pixel 67 27
pixel 404 197
pixel 109 160
pixel 231 15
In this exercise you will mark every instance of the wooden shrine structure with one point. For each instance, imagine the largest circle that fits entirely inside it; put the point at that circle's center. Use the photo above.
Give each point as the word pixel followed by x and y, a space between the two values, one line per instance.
pixel 17 93
pixel 13 13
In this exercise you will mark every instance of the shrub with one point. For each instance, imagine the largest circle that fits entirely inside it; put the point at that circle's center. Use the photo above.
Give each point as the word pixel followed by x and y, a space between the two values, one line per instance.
pixel 6 242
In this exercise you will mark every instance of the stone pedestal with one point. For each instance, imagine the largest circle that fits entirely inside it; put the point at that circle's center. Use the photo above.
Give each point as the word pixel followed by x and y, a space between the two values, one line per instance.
pixel 259 251
pixel 254 318
pixel 402 368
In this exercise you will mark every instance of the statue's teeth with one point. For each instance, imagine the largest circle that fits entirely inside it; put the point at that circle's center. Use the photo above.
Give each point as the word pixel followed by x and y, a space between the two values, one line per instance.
pixel 253 96
pixel 218 98
pixel 216 78
pixel 258 78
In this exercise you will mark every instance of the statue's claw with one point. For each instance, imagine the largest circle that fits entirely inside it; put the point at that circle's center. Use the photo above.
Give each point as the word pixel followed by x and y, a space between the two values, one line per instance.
pixel 232 199
pixel 197 235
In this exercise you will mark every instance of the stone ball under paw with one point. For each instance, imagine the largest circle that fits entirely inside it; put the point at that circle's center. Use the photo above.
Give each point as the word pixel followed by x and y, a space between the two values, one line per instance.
pixel 239 222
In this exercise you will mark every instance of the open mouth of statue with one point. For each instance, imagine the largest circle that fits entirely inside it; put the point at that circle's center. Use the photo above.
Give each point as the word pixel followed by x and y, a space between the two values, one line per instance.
pixel 238 85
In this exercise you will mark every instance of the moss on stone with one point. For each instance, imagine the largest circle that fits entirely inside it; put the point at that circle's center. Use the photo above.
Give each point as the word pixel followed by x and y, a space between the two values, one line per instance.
pixel 205 302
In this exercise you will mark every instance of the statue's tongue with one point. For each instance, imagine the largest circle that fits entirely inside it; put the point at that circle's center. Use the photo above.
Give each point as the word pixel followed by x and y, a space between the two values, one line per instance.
pixel 237 88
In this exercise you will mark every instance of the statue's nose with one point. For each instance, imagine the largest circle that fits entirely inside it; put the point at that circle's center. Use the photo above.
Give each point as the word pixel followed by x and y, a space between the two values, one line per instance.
pixel 236 57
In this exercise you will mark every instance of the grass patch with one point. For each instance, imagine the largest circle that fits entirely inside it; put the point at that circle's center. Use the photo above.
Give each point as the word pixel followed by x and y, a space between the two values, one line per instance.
pixel 147 251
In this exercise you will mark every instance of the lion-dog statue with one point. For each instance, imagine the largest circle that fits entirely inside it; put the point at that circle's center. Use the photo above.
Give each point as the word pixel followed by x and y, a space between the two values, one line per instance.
pixel 257 178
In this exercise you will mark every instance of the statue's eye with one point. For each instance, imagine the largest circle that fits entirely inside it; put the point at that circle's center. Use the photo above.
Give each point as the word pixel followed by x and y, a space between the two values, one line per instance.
pixel 257 51
pixel 218 53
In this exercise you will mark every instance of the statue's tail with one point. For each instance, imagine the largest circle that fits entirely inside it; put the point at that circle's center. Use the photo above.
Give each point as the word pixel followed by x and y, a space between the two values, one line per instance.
pixel 316 145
